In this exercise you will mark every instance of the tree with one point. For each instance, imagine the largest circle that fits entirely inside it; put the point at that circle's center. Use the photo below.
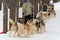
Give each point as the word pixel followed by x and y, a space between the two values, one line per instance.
pixel 5 16
pixel 14 7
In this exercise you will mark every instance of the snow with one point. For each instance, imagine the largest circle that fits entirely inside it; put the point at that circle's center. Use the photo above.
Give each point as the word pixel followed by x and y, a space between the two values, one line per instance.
pixel 52 28
pixel 1 19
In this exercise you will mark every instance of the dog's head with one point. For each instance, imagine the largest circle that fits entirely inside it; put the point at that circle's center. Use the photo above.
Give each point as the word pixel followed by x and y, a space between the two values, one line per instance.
pixel 49 8
pixel 28 23
pixel 41 13
pixel 45 15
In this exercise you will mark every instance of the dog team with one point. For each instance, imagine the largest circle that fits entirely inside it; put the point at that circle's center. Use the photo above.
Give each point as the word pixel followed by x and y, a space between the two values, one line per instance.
pixel 32 26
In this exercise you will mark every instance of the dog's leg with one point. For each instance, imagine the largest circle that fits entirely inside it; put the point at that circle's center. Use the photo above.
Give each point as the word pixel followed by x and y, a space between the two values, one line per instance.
pixel 15 34
pixel 54 14
pixel 44 28
pixel 40 30
pixel 10 33
pixel 34 30
pixel 27 34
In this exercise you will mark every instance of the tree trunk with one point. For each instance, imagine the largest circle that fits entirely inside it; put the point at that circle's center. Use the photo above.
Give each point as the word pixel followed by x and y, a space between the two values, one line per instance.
pixel 21 2
pixel 54 1
pixel 35 3
pixel 0 4
pixel 13 4
pixel 5 16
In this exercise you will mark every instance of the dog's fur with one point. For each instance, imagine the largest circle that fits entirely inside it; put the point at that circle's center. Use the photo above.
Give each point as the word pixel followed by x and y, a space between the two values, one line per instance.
pixel 22 30
pixel 51 13
pixel 39 25
pixel 11 21
pixel 25 30
pixel 31 28
pixel 13 31
pixel 43 14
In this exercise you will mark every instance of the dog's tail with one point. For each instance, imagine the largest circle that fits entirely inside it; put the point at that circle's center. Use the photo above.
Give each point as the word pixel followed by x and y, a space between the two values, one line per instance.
pixel 11 21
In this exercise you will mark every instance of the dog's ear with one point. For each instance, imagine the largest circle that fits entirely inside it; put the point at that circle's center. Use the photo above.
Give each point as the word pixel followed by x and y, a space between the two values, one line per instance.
pixel 11 21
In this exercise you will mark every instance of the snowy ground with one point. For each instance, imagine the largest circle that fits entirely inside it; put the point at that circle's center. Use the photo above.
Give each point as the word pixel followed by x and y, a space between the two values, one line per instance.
pixel 52 29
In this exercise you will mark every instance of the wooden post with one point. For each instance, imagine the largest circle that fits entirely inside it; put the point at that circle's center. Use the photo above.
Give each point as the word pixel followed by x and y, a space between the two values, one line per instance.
pixel 5 16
